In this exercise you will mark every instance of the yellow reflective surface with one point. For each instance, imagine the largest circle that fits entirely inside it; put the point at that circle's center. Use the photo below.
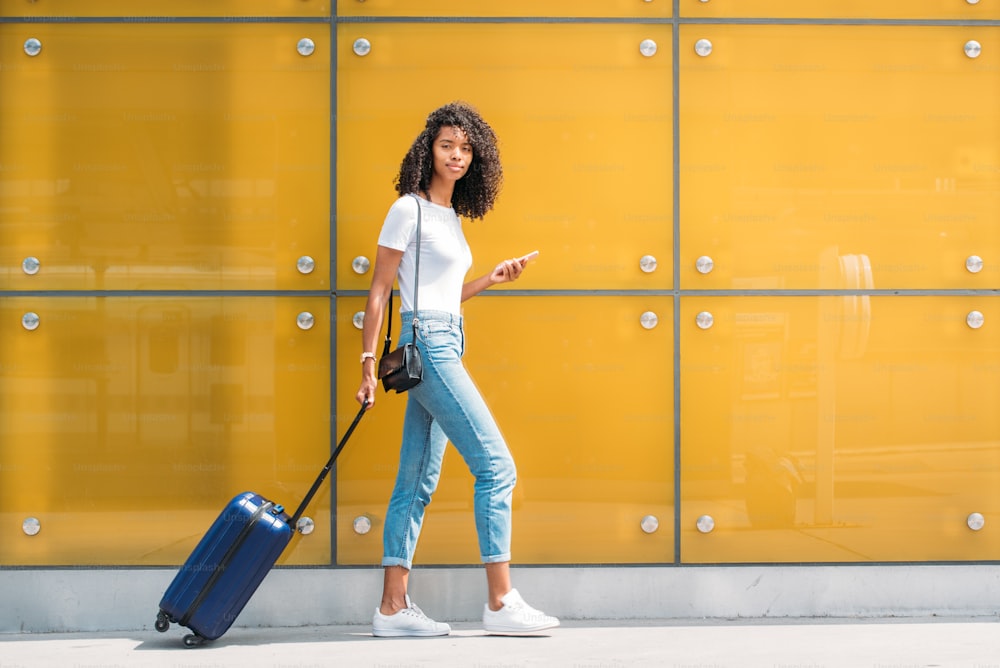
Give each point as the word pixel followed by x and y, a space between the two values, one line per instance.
pixel 158 156
pixel 797 150
pixel 158 8
pixel 128 423
pixel 506 8
pixel 585 126
pixel 843 9
pixel 839 428
pixel 594 455
pixel 188 156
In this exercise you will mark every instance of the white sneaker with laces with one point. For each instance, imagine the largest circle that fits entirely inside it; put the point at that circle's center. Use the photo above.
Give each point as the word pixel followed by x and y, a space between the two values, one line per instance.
pixel 408 622
pixel 516 617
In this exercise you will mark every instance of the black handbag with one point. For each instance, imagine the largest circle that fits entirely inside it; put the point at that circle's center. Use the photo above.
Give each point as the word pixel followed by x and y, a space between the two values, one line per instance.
pixel 403 367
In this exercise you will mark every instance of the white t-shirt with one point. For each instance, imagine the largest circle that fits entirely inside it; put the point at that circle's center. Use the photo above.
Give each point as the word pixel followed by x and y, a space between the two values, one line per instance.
pixel 445 257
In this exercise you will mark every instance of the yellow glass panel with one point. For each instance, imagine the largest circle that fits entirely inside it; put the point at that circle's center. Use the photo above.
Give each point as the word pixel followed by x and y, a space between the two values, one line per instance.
pixel 839 428
pixel 584 396
pixel 847 9
pixel 158 156
pixel 129 8
pixel 511 8
pixel 129 422
pixel 584 121
pixel 798 150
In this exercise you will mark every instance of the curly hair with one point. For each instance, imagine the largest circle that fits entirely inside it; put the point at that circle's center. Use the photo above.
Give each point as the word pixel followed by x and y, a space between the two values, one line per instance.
pixel 475 192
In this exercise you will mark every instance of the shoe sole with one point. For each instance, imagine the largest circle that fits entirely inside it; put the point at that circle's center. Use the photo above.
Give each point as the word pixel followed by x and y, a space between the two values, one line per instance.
pixel 402 633
pixel 520 631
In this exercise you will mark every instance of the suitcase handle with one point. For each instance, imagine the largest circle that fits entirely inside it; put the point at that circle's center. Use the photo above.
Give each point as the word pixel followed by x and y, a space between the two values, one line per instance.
pixel 293 522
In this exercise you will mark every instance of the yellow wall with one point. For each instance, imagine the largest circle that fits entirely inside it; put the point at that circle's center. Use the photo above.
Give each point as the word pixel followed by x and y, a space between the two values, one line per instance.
pixel 787 194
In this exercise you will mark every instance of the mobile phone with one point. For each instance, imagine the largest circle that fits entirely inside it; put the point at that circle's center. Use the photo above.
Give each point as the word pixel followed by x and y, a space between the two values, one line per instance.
pixel 529 257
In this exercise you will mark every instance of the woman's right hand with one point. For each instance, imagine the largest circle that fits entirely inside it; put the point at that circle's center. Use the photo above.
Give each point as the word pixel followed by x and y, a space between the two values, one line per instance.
pixel 368 386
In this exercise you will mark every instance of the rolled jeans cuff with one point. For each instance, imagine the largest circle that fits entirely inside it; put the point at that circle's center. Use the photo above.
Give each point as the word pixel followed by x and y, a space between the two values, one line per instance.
pixel 496 559
pixel 396 561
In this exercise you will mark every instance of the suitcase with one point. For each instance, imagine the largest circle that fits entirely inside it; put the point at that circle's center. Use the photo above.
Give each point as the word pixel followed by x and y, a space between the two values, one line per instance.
pixel 232 559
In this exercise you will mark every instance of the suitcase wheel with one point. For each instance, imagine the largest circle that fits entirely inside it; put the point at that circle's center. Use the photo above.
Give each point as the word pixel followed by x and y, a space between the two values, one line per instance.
pixel 162 622
pixel 192 640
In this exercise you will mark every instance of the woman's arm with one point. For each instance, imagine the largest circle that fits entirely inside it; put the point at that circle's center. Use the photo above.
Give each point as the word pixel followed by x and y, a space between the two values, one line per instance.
pixel 506 271
pixel 383 276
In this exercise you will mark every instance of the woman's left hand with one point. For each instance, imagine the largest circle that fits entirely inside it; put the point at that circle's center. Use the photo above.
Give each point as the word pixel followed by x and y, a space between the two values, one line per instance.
pixel 508 270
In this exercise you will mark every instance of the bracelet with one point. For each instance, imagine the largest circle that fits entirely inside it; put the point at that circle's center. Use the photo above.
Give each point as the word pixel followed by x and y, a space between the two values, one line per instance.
pixel 365 356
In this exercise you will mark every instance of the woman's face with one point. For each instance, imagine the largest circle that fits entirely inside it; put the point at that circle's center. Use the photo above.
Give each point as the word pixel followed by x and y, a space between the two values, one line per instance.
pixel 452 153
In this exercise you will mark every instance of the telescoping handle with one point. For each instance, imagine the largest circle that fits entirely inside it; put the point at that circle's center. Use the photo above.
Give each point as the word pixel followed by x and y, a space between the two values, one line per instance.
pixel 326 469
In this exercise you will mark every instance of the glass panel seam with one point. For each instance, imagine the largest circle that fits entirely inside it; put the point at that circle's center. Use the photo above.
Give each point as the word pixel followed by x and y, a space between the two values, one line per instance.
pixel 332 280
pixel 508 19
pixel 164 19
pixel 676 277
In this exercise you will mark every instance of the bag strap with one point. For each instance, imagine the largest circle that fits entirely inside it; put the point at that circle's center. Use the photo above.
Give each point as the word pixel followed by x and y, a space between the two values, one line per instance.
pixel 326 469
pixel 416 270
pixel 416 291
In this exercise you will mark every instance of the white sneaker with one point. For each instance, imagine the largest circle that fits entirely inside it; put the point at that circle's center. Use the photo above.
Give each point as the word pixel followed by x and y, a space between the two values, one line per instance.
pixel 408 622
pixel 516 617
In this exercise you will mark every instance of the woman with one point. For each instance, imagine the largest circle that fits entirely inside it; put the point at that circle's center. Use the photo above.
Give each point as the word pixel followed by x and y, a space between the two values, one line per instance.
pixel 453 169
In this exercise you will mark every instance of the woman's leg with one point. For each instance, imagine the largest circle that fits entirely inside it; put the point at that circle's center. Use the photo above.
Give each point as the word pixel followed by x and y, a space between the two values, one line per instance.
pixel 498 583
pixel 462 415
pixel 458 407
pixel 419 470
pixel 395 581
pixel 420 458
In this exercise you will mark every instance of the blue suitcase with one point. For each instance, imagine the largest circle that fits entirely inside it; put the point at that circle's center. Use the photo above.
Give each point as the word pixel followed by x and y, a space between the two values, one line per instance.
pixel 231 560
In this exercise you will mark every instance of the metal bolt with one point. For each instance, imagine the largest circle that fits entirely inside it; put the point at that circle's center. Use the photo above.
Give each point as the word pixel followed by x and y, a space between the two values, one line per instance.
pixel 362 46
pixel 305 264
pixel 362 525
pixel 305 320
pixel 360 264
pixel 305 47
pixel 31 526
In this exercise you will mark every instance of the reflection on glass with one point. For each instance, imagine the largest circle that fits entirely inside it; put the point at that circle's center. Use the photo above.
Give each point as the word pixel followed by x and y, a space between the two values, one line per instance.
pixel 128 422
pixel 847 427
pixel 794 146
pixel 189 156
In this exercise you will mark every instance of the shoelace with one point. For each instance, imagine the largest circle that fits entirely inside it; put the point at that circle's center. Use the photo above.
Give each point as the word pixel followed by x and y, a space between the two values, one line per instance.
pixel 516 606
pixel 417 611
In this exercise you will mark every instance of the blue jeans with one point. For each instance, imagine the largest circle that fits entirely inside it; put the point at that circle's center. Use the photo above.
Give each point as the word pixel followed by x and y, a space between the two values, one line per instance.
pixel 446 406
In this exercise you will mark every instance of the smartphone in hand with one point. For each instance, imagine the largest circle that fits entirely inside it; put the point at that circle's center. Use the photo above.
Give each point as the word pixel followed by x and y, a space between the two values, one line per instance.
pixel 525 259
